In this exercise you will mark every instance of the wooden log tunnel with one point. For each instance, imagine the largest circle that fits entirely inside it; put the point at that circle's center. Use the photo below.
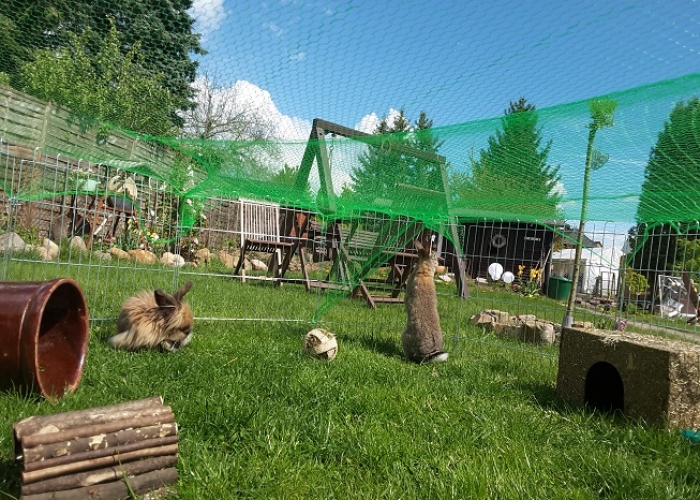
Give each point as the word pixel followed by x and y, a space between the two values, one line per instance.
pixel 104 452
pixel 653 379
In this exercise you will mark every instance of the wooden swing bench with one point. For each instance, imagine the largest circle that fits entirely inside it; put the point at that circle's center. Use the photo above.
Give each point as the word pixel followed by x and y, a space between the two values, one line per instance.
pixel 363 250
pixel 346 251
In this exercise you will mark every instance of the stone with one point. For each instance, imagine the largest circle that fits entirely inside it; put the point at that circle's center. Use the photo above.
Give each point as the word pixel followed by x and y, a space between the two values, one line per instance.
pixel 504 330
pixel 227 258
pixel 445 278
pixel 12 242
pixel 78 243
pixel 538 332
pixel 104 256
pixel 171 259
pixel 202 256
pixel 490 316
pixel 118 253
pixel 524 327
pixel 258 265
pixel 42 252
pixel 48 250
pixel 143 256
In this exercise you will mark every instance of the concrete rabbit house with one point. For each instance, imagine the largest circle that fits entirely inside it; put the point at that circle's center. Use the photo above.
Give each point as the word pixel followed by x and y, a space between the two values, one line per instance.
pixel 646 377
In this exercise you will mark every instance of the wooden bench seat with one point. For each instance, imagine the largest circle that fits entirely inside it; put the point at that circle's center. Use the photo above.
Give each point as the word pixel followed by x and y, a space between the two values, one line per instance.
pixel 260 224
pixel 355 253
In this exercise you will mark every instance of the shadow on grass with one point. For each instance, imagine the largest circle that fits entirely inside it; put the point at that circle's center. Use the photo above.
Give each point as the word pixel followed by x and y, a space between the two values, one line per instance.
pixel 545 396
pixel 384 346
pixel 10 471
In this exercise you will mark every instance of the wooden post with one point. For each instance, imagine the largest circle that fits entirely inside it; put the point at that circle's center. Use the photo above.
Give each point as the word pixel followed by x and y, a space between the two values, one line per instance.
pixel 100 452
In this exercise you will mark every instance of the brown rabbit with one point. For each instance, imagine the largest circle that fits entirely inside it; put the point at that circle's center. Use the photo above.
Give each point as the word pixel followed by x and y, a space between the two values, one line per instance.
pixel 151 320
pixel 422 337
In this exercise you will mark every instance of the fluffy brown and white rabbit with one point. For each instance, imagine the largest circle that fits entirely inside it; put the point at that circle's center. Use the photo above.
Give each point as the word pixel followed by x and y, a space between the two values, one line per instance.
pixel 154 320
pixel 422 337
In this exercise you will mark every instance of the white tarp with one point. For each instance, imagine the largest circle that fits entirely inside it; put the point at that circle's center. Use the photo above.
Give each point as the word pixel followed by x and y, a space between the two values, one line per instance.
pixel 597 264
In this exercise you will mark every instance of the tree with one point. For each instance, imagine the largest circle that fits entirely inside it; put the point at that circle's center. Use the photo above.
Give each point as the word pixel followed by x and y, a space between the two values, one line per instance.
pixel 13 53
pixel 287 177
pixel 670 197
pixel 519 106
pixel 163 28
pixel 424 173
pixel 108 86
pixel 379 166
pixel 383 166
pixel 224 113
pixel 513 171
pixel 237 133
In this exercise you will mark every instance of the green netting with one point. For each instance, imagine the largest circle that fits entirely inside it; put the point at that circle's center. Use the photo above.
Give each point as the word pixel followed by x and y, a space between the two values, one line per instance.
pixel 219 101
pixel 391 174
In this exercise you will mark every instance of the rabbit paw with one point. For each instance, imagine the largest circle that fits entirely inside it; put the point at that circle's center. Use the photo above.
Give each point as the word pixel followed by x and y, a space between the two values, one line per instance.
pixel 170 345
pixel 438 357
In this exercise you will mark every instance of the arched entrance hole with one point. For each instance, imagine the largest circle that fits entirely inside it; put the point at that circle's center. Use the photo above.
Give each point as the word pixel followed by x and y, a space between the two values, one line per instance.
pixel 604 388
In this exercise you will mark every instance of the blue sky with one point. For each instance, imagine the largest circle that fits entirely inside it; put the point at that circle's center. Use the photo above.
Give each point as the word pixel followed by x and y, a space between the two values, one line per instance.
pixel 458 60
pixel 350 62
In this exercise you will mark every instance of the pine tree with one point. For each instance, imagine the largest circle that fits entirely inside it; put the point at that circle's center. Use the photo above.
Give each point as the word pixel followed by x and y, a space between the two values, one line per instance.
pixel 424 173
pixel 673 167
pixel 513 172
pixel 669 202
pixel 382 167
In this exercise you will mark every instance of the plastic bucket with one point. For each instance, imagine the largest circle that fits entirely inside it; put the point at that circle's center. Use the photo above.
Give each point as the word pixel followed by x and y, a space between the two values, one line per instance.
pixel 558 288
pixel 43 336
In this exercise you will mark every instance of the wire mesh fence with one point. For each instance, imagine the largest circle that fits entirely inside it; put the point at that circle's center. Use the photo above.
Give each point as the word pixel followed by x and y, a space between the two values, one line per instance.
pixel 121 233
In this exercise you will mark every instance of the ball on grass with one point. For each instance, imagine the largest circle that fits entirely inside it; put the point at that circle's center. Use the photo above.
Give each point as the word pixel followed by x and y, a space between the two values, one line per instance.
pixel 321 344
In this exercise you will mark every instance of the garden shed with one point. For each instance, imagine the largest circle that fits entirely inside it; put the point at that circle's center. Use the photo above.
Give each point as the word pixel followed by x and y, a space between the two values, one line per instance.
pixel 599 272
pixel 510 244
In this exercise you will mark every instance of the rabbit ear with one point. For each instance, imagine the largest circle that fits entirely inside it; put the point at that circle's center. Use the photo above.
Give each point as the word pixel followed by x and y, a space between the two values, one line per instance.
pixel 182 291
pixel 426 240
pixel 164 299
pixel 424 243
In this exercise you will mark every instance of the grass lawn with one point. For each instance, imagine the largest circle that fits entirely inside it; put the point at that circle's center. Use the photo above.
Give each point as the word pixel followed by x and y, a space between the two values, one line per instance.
pixel 258 419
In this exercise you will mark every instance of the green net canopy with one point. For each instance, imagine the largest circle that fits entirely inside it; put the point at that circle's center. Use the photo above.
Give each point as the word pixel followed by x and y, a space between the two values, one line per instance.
pixel 436 111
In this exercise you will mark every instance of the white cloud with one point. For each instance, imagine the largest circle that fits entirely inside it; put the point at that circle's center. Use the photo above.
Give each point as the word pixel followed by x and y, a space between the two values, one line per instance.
pixel 289 129
pixel 370 122
pixel 391 116
pixel 299 56
pixel 245 97
pixel 208 15
pixel 559 189
pixel 274 28
pixel 292 128
pixel 259 101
